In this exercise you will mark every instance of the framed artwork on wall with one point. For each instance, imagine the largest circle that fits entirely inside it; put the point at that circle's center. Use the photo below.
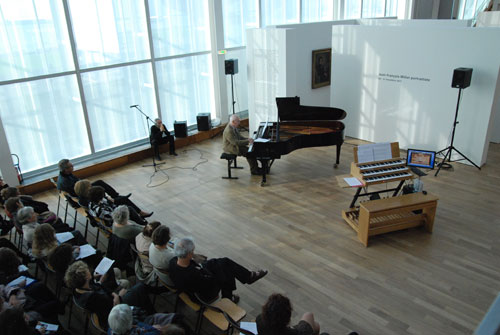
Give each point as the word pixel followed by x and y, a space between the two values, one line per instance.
pixel 321 67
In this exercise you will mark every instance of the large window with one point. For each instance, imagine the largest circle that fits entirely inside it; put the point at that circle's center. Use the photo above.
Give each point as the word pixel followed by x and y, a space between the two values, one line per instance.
pixel 33 39
pixel 185 86
pixel 317 10
pixel 276 12
pixel 179 26
pixel 109 32
pixel 43 121
pixel 238 15
pixel 109 95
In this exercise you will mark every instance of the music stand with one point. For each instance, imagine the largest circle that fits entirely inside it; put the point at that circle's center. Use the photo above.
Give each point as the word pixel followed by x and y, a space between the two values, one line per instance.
pixel 450 148
pixel 148 119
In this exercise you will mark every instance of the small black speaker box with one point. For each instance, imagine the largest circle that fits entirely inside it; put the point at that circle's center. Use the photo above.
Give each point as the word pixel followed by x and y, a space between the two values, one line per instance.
pixel 180 128
pixel 231 66
pixel 461 77
pixel 204 122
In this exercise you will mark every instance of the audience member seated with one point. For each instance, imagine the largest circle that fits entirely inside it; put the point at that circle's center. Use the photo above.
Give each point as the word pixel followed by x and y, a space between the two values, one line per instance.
pixel 26 200
pixel 122 322
pixel 67 180
pixel 143 268
pixel 28 220
pixel 45 241
pixel 276 315
pixel 94 297
pixel 12 205
pixel 82 188
pixel 5 226
pixel 102 207
pixel 13 321
pixel 210 277
pixel 160 254
pixel 122 227
pixel 2 186
pixel 35 297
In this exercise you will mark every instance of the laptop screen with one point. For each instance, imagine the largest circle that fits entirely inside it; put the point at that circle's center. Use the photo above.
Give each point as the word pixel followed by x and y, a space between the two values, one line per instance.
pixel 421 158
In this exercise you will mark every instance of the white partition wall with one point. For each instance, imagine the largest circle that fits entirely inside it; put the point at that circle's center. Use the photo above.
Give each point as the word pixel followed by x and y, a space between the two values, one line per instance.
pixel 395 84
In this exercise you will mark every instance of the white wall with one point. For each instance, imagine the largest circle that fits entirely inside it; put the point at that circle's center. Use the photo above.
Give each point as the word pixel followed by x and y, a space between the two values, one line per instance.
pixel 413 23
pixel 416 110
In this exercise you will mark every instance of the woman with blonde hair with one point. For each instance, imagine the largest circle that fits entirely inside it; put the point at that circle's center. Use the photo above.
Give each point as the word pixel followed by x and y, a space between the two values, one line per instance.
pixel 44 240
pixel 82 188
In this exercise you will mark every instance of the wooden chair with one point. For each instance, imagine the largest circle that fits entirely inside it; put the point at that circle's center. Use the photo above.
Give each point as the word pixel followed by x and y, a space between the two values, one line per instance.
pixel 95 322
pixel 216 313
pixel 81 308
pixel 230 159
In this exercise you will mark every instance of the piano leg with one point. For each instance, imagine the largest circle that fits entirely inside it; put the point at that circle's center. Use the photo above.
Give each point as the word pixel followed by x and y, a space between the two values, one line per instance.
pixel 265 169
pixel 338 156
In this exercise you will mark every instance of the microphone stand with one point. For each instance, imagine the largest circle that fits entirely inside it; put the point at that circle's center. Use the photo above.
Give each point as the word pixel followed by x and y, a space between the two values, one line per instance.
pixel 148 119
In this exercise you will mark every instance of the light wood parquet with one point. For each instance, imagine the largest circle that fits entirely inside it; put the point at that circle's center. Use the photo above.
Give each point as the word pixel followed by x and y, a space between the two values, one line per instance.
pixel 406 282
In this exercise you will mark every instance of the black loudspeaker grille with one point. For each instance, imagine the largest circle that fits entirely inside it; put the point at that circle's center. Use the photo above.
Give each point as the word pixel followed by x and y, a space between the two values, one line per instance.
pixel 231 66
pixel 461 77
pixel 204 122
pixel 180 128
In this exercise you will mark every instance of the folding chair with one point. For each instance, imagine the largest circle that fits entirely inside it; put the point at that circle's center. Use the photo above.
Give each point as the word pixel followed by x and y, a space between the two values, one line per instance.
pixel 214 312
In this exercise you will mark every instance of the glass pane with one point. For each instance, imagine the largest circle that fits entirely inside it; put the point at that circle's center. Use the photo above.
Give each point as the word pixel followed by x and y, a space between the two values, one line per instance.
pixel 373 8
pixel 238 15
pixel 240 82
pixel 276 12
pixel 186 88
pixel 317 10
pixel 352 9
pixel 392 8
pixel 469 7
pixel 109 95
pixel 33 39
pixel 179 26
pixel 109 32
pixel 48 122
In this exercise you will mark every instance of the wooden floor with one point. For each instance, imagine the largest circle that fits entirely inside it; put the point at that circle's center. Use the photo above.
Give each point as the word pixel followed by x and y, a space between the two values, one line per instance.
pixel 407 282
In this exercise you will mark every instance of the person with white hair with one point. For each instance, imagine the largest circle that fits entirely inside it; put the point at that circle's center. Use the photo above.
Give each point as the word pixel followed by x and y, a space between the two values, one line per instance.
pixel 121 322
pixel 27 218
pixel 211 276
pixel 234 143
pixel 122 227
pixel 160 135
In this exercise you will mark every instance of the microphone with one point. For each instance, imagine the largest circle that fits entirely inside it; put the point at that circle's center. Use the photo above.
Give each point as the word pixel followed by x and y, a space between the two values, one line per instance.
pixel 133 106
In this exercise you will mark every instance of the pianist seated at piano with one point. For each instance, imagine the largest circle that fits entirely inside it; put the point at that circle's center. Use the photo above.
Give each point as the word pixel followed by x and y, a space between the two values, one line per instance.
pixel 234 143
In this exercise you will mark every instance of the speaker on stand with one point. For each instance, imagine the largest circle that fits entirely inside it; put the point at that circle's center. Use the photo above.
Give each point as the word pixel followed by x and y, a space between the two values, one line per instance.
pixel 461 80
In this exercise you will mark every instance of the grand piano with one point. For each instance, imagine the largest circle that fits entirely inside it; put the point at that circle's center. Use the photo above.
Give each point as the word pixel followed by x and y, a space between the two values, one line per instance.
pixel 297 127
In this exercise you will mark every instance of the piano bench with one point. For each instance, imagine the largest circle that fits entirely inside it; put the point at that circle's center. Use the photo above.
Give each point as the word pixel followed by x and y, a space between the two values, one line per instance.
pixel 230 159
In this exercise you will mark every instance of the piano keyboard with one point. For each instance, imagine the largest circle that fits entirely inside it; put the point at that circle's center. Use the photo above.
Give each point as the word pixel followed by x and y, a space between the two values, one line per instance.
pixel 392 176
pixel 381 171
pixel 380 165
pixel 384 171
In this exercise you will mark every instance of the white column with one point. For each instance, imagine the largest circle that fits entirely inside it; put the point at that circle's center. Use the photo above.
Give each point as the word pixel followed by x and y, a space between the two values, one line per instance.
pixel 217 43
pixel 7 170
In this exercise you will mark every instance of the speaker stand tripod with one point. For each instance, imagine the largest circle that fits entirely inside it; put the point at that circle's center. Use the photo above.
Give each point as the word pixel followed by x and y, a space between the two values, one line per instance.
pixel 152 146
pixel 451 148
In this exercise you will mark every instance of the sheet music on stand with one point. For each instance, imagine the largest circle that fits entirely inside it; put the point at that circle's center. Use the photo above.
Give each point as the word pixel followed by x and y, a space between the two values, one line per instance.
pixel 374 152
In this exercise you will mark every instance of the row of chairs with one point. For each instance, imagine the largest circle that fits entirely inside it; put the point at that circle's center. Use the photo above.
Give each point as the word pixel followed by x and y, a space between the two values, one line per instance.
pixel 223 313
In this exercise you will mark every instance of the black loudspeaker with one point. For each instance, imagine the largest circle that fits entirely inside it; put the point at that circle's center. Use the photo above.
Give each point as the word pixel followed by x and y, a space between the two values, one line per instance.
pixel 231 66
pixel 180 128
pixel 204 122
pixel 461 77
